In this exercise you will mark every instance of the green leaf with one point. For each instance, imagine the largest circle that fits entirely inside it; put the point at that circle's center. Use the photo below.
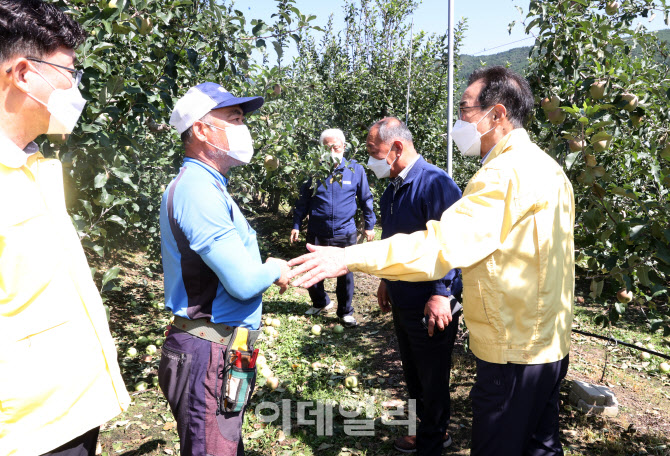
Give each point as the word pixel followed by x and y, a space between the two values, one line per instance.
pixel 100 180
pixel 620 307
pixel 118 220
pixel 87 207
pixel 110 274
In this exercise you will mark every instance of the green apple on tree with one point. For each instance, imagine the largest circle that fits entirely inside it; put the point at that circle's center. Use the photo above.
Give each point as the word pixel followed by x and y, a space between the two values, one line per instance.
pixel 597 90
pixel 631 100
pixel 556 117
pixel 271 163
pixel 611 8
pixel 624 296
pixel 550 103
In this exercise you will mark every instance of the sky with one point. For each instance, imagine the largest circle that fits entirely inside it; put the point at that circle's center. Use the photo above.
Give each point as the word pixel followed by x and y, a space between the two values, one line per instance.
pixel 487 20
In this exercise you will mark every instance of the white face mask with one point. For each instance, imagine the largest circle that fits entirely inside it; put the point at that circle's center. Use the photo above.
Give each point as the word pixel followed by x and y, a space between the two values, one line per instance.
pixel 337 156
pixel 467 138
pixel 240 144
pixel 380 167
pixel 65 106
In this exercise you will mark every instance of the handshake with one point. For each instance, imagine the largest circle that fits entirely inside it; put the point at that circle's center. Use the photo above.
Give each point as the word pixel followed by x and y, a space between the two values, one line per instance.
pixel 321 263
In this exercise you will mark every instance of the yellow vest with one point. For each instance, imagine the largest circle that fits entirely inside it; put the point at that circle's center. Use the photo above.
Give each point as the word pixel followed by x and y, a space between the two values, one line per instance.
pixel 59 375
pixel 512 234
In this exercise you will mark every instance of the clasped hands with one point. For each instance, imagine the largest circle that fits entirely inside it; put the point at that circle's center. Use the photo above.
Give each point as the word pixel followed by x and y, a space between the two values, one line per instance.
pixel 321 263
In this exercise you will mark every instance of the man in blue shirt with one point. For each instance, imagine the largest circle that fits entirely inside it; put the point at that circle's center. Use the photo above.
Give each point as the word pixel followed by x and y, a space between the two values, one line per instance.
pixel 418 192
pixel 331 211
pixel 213 273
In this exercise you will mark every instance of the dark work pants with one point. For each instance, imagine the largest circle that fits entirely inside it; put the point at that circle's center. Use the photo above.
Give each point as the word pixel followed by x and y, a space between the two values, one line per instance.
pixel 426 363
pixel 515 409
pixel 345 284
pixel 190 376
pixel 84 445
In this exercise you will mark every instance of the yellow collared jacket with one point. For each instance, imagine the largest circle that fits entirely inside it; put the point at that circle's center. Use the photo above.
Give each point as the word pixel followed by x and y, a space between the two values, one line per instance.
pixel 59 375
pixel 512 235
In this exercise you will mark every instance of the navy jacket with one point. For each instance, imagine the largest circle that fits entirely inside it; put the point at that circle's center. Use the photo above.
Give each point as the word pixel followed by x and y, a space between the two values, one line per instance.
pixel 424 195
pixel 332 208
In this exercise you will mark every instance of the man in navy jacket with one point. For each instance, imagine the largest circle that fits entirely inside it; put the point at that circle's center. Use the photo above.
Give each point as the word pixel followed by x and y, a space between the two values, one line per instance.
pixel 331 211
pixel 418 192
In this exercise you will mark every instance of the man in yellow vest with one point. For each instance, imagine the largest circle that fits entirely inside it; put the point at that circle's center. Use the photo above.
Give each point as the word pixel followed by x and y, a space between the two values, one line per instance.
pixel 59 376
pixel 512 236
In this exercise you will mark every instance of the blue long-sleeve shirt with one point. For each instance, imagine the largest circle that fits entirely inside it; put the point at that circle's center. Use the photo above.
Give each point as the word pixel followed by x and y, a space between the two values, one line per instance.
pixel 211 263
pixel 425 193
pixel 332 208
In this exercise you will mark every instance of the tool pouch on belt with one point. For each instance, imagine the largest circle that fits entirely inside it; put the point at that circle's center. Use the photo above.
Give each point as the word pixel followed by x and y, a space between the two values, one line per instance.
pixel 238 377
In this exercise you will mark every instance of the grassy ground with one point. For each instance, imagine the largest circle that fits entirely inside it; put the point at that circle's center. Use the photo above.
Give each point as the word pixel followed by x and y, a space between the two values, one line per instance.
pixel 312 411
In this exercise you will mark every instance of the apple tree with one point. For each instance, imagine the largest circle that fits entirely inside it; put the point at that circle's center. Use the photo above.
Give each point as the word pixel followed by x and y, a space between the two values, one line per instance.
pixel 602 87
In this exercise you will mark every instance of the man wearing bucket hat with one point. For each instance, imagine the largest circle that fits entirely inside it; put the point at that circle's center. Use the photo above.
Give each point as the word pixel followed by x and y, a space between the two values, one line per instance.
pixel 213 273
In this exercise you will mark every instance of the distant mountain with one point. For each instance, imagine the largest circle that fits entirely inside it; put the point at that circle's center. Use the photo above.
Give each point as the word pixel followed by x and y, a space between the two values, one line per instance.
pixel 517 58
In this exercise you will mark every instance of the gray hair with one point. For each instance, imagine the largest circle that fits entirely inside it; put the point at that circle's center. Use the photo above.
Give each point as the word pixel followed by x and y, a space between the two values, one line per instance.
pixel 332 133
pixel 391 129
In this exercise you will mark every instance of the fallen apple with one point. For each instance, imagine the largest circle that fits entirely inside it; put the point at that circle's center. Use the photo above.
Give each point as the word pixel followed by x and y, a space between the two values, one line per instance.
pixel 337 329
pixel 664 367
pixel 261 361
pixel 142 340
pixel 266 372
pixel 597 90
pixel 316 330
pixel 151 349
pixel 272 383
pixel 141 386
pixel 351 381
pixel 276 322
pixel 131 352
pixel 645 356
pixel 550 104
pixel 631 100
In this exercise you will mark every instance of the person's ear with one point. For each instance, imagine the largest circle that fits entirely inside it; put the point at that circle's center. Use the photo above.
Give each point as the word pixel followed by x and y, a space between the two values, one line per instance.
pixel 499 112
pixel 399 148
pixel 18 75
pixel 199 130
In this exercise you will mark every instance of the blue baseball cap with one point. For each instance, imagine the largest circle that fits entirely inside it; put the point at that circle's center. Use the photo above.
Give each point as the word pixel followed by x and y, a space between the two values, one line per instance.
pixel 206 97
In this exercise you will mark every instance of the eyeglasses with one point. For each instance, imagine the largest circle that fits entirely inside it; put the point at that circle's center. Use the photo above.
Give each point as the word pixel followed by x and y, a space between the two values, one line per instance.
pixel 461 108
pixel 76 74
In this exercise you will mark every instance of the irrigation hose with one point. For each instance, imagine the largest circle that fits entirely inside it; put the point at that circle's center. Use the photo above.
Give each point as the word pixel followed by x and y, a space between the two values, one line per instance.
pixel 619 342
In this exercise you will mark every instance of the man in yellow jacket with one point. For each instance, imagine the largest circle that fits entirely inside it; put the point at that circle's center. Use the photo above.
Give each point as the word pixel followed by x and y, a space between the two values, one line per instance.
pixel 512 236
pixel 59 377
